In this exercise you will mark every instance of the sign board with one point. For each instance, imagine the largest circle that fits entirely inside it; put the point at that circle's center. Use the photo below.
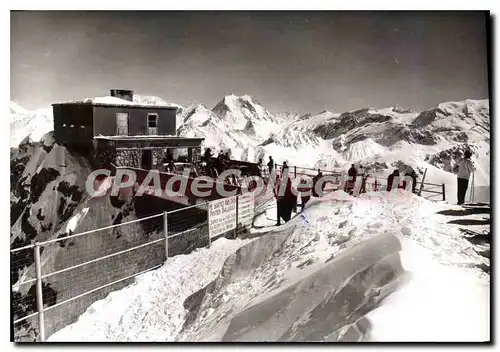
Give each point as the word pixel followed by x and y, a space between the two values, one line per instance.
pixel 246 209
pixel 222 216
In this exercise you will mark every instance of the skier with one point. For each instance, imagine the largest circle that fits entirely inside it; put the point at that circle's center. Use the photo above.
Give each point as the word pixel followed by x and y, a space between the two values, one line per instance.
pixel 219 164
pixel 171 166
pixel 287 201
pixel 465 169
pixel 259 168
pixel 270 164
pixel 413 176
pixel 284 167
pixel 208 155
pixel 390 179
pixel 352 171
pixel 351 181
pixel 315 183
pixel 304 197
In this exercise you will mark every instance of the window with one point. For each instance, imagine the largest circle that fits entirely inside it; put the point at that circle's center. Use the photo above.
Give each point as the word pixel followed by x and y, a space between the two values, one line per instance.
pixel 122 124
pixel 152 124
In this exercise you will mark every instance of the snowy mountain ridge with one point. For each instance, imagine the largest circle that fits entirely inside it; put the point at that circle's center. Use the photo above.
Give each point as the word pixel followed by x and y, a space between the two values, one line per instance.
pixel 325 139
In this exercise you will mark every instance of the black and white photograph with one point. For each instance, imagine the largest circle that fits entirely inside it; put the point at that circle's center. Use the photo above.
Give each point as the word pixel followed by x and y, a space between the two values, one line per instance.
pixel 250 176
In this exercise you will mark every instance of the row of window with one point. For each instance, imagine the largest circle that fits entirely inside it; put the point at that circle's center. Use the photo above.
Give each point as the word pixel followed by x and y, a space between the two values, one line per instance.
pixel 71 126
pixel 122 123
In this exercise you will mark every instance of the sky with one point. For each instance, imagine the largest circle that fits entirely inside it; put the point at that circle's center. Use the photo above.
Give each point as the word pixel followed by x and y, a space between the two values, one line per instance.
pixel 301 62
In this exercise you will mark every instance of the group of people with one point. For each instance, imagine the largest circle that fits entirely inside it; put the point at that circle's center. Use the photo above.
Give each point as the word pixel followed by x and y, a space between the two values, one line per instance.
pixel 354 173
pixel 217 166
pixel 270 166
pixel 287 202
pixel 402 184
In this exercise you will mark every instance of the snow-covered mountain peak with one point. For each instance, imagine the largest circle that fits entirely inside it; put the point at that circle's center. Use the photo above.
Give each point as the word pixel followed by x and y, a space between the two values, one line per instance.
pixel 452 119
pixel 153 100
pixel 16 110
pixel 28 125
pixel 197 114
pixel 238 110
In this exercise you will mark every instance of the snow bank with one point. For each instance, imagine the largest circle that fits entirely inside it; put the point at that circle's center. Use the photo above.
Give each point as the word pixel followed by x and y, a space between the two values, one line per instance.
pixel 261 277
pixel 440 304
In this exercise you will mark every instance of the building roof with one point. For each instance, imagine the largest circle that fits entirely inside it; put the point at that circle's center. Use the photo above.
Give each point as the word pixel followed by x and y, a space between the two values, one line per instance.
pixel 113 101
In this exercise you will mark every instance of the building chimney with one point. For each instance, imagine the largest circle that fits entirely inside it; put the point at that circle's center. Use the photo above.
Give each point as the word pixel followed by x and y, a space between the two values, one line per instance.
pixel 122 94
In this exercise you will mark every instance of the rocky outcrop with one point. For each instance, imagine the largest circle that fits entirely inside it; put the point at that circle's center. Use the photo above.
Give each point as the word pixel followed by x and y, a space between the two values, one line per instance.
pixel 347 122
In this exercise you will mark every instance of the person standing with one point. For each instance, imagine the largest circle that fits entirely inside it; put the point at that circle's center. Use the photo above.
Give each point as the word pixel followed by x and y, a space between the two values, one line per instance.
pixel 413 176
pixel 316 179
pixel 465 169
pixel 259 168
pixel 305 193
pixel 351 179
pixel 270 165
pixel 391 179
pixel 208 155
pixel 287 200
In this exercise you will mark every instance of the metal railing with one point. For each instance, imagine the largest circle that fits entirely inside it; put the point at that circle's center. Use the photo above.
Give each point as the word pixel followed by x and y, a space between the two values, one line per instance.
pixel 69 273
pixel 427 187
pixel 54 287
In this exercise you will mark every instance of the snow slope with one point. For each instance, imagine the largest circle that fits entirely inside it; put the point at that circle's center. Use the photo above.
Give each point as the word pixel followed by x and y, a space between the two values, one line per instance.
pixel 275 289
pixel 401 263
pixel 150 309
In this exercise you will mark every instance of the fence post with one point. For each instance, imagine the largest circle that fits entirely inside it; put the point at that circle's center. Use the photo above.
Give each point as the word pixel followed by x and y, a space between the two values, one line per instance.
pixel 165 231
pixel 39 292
pixel 422 184
pixel 444 193
pixel 237 217
pixel 208 220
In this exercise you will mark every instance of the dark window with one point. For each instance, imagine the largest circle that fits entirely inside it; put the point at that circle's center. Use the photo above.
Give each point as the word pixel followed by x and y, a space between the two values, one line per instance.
pixel 152 124
pixel 152 120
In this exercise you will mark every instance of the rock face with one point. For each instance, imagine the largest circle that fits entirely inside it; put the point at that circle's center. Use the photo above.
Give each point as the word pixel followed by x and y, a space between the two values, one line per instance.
pixel 448 159
pixel 328 304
